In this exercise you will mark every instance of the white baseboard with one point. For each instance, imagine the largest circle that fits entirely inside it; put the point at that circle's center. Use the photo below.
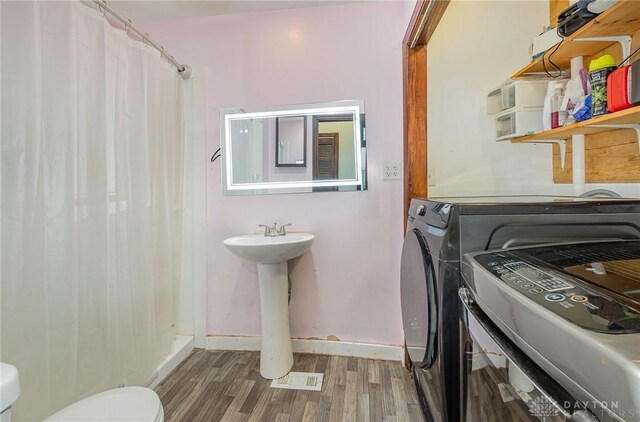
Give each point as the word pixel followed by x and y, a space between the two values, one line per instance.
pixel 233 343
pixel 319 347
pixel 180 349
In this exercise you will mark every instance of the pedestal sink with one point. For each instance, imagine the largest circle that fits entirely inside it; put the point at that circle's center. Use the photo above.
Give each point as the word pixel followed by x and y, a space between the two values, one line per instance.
pixel 271 254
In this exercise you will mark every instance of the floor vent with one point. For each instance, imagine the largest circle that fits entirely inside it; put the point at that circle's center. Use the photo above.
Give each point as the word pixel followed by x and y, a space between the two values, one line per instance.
pixel 299 381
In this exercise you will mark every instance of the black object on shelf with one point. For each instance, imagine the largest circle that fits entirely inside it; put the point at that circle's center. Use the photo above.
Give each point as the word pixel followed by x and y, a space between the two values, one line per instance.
pixel 572 19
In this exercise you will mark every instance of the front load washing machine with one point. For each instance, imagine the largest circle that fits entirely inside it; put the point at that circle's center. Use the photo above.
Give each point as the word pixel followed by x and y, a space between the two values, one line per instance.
pixel 440 231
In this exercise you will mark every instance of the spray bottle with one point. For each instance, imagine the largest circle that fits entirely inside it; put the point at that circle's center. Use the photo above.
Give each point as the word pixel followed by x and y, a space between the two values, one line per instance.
pixel 558 116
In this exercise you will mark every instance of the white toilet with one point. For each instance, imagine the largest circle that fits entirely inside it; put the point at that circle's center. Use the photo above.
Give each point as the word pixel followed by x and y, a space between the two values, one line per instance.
pixel 9 390
pixel 129 404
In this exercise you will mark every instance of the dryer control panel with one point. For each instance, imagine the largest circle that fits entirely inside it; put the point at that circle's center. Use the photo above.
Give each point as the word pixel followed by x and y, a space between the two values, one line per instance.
pixel 542 279
pixel 585 305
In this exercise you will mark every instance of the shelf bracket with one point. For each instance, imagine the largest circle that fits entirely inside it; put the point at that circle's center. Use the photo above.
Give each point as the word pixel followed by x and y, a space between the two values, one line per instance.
pixel 624 40
pixel 635 126
pixel 560 142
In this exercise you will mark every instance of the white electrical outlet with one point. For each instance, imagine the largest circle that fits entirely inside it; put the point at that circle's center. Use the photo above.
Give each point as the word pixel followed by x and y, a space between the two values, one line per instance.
pixel 431 176
pixel 391 170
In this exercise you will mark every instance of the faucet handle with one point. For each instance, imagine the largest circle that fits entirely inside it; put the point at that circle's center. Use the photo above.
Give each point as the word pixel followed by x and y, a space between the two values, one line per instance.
pixel 267 229
pixel 282 230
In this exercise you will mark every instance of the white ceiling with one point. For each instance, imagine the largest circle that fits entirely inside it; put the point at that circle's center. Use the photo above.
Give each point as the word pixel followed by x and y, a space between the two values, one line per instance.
pixel 162 9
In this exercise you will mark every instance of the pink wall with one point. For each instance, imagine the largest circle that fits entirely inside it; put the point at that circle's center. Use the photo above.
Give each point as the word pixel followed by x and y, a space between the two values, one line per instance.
pixel 348 285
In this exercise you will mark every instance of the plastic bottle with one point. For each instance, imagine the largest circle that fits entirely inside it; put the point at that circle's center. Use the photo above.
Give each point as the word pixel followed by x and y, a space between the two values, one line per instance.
pixel 563 113
pixel 546 111
pixel 556 101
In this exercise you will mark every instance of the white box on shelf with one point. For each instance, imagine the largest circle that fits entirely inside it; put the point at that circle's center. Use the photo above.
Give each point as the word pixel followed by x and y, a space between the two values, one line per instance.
pixel 513 123
pixel 544 41
pixel 518 94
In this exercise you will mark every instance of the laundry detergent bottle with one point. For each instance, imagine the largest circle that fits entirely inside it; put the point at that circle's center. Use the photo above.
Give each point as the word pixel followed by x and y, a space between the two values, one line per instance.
pixel 599 69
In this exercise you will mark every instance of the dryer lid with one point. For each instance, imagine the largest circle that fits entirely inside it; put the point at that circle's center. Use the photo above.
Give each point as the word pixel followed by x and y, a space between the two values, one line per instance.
pixel 594 285
pixel 130 404
pixel 613 267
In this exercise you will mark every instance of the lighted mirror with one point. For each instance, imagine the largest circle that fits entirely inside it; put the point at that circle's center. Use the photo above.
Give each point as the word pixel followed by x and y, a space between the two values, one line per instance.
pixel 301 148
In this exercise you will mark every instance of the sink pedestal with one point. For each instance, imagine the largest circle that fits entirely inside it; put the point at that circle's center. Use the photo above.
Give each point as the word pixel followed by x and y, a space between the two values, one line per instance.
pixel 276 355
pixel 271 254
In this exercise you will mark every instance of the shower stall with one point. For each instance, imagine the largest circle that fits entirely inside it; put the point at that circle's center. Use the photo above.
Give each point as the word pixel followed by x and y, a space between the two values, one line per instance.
pixel 102 168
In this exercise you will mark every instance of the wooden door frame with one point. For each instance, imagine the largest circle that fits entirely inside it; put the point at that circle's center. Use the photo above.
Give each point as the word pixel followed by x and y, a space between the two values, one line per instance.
pixel 425 19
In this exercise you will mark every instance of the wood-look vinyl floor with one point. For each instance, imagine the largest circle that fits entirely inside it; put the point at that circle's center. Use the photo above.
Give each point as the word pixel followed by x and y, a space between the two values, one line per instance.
pixel 227 386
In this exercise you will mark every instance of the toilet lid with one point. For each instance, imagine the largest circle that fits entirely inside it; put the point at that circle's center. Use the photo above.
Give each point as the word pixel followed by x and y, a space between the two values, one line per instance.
pixel 129 404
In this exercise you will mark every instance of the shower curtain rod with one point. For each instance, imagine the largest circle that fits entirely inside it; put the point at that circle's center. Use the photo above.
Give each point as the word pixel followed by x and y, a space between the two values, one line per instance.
pixel 183 69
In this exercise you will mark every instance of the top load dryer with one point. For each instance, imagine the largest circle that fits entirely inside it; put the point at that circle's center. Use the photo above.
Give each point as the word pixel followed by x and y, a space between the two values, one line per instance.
pixel 441 230
pixel 556 329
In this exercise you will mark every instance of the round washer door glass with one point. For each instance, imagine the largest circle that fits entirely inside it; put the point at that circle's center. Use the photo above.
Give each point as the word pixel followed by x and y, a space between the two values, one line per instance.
pixel 418 296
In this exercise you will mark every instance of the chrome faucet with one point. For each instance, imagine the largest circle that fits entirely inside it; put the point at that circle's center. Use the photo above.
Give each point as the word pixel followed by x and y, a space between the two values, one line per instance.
pixel 282 231
pixel 273 231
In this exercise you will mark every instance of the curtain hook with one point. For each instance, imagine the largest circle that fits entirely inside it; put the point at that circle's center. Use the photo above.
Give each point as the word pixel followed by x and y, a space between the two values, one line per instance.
pixel 146 39
pixel 127 26
pixel 104 9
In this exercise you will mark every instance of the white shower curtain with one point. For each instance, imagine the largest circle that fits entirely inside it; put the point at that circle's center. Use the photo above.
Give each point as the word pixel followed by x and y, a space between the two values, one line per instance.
pixel 91 203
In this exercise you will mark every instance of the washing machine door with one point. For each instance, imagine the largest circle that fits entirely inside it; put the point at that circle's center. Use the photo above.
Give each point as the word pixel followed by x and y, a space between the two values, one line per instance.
pixel 419 300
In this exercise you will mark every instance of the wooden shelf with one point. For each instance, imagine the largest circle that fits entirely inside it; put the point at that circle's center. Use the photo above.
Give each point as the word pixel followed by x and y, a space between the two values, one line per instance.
pixel 623 18
pixel 624 117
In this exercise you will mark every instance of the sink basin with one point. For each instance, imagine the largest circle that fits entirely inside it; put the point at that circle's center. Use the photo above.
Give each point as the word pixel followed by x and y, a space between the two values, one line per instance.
pixel 270 250
pixel 271 254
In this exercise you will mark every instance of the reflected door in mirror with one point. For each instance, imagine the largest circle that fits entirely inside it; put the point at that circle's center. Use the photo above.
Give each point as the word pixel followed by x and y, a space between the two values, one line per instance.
pixel 325 159
pixel 326 156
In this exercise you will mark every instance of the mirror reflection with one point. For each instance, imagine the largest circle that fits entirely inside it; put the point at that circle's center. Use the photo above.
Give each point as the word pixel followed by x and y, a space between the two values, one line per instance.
pixel 305 148
pixel 291 141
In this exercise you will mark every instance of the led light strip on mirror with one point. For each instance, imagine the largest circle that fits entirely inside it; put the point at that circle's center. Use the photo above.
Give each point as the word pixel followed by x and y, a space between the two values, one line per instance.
pixel 314 110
